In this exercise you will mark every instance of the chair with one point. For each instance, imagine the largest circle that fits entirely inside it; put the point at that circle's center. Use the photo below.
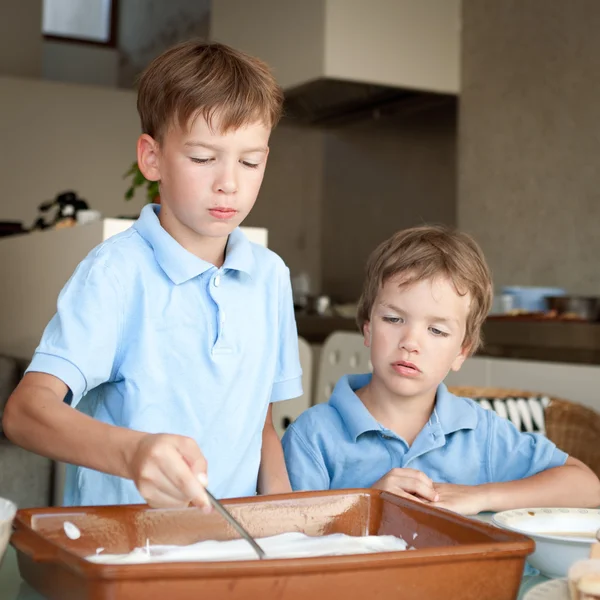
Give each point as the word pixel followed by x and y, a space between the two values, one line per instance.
pixel 572 427
pixel 287 411
pixel 343 353
pixel 525 409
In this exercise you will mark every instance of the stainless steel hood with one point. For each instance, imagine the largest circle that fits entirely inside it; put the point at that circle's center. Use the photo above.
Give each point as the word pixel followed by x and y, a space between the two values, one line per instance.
pixel 330 102
pixel 344 60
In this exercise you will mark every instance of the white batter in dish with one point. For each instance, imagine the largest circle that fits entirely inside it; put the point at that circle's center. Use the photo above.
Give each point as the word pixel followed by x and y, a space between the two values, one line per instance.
pixel 285 545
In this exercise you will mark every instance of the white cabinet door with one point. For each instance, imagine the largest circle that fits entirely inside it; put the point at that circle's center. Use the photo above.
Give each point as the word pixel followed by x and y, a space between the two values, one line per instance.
pixel 578 383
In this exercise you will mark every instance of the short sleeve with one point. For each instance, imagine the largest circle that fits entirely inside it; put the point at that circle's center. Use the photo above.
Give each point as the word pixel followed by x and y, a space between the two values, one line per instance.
pixel 288 375
pixel 81 341
pixel 305 467
pixel 515 455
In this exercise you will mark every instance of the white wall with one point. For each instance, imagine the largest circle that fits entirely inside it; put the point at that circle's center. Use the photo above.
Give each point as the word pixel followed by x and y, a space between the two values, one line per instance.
pixel 405 43
pixel 411 43
pixel 294 45
pixel 57 137
pixel 21 38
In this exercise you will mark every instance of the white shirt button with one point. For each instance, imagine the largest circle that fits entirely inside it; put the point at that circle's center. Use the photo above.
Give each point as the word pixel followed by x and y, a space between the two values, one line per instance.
pixel 217 280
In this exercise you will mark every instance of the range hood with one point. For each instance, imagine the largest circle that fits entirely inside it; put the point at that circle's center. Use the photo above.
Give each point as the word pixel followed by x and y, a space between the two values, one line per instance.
pixel 344 60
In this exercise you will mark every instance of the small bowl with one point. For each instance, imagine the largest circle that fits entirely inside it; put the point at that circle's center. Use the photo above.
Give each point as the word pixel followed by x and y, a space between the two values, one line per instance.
pixel 8 510
pixel 562 535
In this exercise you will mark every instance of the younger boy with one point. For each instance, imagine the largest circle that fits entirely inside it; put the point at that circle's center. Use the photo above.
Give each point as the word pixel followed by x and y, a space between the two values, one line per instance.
pixel 173 338
pixel 426 296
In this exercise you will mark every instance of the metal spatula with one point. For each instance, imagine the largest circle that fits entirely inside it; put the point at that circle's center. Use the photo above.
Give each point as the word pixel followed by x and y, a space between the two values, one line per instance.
pixel 235 524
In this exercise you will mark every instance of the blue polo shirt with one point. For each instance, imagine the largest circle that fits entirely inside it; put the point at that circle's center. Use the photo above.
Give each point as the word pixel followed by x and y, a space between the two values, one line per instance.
pixel 150 337
pixel 341 445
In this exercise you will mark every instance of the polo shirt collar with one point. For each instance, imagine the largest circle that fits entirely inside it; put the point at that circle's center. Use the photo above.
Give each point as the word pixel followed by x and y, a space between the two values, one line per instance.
pixel 451 412
pixel 181 265
pixel 357 419
pixel 454 413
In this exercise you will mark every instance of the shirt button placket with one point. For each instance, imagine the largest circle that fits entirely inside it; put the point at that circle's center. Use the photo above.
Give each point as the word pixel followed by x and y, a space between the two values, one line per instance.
pixel 220 345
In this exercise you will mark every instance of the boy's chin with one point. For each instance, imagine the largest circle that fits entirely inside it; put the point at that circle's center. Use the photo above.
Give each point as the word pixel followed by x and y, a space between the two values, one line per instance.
pixel 213 230
pixel 408 388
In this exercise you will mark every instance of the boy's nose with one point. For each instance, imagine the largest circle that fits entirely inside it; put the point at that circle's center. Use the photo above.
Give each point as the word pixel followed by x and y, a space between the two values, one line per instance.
pixel 226 186
pixel 409 342
pixel 226 182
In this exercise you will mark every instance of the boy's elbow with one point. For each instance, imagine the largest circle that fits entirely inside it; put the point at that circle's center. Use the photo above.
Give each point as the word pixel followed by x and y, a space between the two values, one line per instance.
pixel 11 418
pixel 591 485
pixel 16 419
pixel 595 492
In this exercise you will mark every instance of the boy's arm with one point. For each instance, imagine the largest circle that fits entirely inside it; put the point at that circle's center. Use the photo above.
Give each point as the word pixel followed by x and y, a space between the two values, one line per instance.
pixel 79 350
pixel 523 470
pixel 305 464
pixel 571 485
pixel 37 419
pixel 272 476
pixel 165 468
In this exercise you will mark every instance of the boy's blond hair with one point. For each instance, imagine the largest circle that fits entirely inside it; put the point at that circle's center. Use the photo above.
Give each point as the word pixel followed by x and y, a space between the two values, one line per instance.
pixel 425 253
pixel 198 78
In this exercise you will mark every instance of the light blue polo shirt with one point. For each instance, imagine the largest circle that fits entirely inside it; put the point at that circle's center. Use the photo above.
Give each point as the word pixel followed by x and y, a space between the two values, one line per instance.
pixel 341 445
pixel 150 337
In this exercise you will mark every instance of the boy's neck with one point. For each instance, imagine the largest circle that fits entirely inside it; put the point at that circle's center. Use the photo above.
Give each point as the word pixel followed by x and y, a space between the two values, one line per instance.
pixel 209 249
pixel 405 415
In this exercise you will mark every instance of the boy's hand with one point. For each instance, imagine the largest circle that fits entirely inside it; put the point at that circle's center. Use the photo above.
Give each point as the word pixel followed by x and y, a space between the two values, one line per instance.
pixel 408 483
pixel 169 471
pixel 463 499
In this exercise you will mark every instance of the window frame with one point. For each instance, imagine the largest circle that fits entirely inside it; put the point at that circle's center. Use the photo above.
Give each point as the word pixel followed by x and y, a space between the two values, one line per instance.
pixel 112 36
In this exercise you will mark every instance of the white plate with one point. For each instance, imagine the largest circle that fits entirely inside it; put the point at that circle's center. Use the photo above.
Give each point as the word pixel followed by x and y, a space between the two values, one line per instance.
pixel 555 589
pixel 553 523
pixel 554 553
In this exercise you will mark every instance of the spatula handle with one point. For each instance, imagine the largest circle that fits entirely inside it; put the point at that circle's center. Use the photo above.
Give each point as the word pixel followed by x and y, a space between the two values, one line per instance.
pixel 235 524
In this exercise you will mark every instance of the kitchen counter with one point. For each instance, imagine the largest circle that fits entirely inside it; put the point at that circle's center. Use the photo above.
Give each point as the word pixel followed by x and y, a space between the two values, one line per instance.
pixel 541 340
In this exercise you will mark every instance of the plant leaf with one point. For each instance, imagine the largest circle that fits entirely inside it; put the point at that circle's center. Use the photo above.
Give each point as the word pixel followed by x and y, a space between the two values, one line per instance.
pixel 132 170
pixel 152 191
pixel 138 179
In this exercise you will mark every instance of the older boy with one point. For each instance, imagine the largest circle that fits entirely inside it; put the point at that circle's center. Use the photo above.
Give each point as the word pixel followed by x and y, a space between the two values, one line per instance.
pixel 426 295
pixel 173 338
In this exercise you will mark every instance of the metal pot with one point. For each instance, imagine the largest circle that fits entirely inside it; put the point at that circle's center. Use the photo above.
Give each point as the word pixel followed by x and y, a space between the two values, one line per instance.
pixel 581 307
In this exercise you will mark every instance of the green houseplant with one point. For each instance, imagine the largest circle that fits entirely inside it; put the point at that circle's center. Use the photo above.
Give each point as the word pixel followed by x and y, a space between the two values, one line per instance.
pixel 138 180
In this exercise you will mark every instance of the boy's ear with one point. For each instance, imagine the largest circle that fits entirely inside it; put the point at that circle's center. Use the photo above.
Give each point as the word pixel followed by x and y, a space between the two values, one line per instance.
pixel 367 333
pixel 148 157
pixel 460 359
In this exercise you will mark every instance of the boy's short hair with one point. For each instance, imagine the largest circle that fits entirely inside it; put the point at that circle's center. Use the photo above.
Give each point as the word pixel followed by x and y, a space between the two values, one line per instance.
pixel 205 79
pixel 427 252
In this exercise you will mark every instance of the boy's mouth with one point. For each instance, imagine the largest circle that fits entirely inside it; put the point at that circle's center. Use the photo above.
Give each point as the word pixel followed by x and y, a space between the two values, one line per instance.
pixel 222 212
pixel 403 367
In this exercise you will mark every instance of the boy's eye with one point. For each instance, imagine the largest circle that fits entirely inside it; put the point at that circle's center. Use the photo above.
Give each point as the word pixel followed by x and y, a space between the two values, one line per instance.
pixel 392 319
pixel 250 164
pixel 438 332
pixel 200 161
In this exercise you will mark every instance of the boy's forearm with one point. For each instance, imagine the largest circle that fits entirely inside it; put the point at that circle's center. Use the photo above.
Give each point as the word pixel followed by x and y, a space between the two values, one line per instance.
pixel 273 476
pixel 567 486
pixel 37 419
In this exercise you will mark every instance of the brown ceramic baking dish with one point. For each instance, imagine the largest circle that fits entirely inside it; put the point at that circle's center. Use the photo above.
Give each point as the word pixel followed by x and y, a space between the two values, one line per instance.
pixel 454 557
